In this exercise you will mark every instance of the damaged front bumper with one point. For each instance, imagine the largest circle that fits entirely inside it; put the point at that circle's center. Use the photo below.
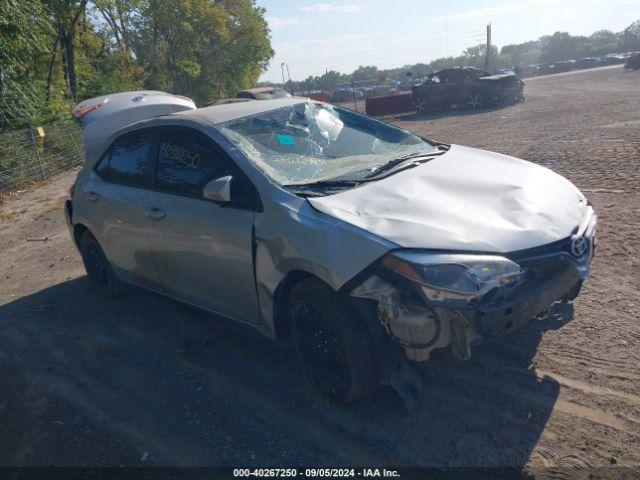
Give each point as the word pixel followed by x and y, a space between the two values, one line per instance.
pixel 421 321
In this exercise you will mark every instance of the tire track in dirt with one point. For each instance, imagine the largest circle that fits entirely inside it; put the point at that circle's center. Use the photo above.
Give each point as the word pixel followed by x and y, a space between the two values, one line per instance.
pixel 569 352
pixel 562 403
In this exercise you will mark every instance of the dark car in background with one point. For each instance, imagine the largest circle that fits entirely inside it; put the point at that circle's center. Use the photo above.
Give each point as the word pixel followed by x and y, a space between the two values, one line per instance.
pixel 263 93
pixel 633 62
pixel 466 87
pixel 564 66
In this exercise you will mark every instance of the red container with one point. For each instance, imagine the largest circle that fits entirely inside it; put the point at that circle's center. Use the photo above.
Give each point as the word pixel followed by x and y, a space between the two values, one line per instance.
pixel 390 104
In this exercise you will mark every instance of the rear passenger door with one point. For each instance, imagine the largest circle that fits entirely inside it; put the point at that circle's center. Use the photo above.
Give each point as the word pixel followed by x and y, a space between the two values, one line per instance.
pixel 203 249
pixel 115 197
pixel 438 92
pixel 449 90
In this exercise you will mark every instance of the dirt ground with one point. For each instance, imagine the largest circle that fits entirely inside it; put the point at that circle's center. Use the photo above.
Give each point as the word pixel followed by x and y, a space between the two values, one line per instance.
pixel 146 381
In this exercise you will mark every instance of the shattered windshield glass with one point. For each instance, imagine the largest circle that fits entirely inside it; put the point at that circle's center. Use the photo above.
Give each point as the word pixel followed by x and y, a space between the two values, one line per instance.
pixel 311 142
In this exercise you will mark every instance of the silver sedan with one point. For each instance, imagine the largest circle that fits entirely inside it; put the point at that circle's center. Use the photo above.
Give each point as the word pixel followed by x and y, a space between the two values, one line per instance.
pixel 364 244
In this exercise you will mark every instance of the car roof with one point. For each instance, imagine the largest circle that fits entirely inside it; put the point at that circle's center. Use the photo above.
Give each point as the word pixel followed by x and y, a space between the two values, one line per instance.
pixel 230 111
pixel 205 116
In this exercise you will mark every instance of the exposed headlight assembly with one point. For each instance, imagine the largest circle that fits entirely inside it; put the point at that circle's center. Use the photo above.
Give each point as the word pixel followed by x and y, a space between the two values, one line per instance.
pixel 454 276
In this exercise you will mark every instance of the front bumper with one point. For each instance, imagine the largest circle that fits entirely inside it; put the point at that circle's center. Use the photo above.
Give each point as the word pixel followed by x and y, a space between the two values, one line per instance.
pixel 532 298
pixel 553 273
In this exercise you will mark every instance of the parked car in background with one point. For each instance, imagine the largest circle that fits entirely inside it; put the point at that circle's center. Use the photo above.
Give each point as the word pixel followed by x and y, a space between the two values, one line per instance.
pixel 466 87
pixel 525 71
pixel 633 62
pixel 263 93
pixel 346 94
pixel 614 59
pixel 313 95
pixel 545 69
pixel 588 62
pixel 363 244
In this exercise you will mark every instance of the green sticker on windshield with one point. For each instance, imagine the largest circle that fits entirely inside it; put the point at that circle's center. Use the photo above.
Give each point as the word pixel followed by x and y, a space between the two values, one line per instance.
pixel 286 140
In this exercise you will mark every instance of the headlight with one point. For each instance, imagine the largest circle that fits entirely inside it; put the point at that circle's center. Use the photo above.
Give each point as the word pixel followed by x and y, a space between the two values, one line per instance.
pixel 455 276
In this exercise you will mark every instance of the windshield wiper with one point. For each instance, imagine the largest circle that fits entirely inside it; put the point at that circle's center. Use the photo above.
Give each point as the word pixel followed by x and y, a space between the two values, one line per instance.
pixel 411 160
pixel 324 184
pixel 321 188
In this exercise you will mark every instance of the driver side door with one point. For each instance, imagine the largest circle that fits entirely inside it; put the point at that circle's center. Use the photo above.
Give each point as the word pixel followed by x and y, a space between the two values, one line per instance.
pixel 203 249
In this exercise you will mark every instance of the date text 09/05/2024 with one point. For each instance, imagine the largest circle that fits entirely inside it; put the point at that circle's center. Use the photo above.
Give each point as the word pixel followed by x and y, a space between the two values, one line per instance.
pixel 315 472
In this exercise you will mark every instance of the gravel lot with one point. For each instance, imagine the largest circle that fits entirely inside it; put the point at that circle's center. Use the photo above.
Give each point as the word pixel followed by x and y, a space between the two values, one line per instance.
pixel 146 381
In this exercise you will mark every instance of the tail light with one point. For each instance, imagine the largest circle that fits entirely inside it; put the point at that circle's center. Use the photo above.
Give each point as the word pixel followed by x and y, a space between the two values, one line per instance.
pixel 81 112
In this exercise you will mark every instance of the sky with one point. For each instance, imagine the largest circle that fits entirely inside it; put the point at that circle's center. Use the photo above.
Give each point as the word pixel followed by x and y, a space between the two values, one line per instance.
pixel 311 36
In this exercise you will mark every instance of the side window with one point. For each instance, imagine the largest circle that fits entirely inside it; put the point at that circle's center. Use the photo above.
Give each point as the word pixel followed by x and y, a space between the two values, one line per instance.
pixel 126 161
pixel 187 160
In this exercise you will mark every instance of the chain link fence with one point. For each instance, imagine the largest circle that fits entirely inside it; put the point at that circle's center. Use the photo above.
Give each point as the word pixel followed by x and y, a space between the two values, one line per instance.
pixel 33 155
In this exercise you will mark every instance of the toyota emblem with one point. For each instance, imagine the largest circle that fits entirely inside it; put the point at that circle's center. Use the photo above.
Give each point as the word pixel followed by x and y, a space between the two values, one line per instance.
pixel 578 245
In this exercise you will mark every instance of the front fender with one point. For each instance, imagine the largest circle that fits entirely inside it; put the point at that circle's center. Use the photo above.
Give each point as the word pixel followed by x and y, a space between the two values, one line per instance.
pixel 295 237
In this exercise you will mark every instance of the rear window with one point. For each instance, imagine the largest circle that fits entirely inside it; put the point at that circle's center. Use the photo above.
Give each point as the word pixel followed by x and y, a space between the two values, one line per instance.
pixel 126 161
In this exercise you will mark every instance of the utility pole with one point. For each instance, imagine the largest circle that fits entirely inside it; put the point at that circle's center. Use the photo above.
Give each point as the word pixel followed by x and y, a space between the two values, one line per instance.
pixel 289 75
pixel 282 69
pixel 487 58
pixel 324 80
pixel 355 101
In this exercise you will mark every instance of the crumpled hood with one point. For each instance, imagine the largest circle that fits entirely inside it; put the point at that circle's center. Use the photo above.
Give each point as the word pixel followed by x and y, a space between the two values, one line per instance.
pixel 466 199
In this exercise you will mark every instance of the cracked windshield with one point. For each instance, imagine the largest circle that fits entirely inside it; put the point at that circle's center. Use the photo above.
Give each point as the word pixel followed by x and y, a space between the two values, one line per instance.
pixel 313 142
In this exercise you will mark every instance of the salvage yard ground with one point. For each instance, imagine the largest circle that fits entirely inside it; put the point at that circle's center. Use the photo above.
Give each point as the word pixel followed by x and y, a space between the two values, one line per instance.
pixel 147 381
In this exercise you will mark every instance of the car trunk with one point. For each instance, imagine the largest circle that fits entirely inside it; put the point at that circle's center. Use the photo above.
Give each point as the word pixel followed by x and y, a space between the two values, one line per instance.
pixel 101 116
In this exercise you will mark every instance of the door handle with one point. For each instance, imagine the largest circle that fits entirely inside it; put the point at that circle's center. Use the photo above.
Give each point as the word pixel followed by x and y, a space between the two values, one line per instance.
pixel 155 213
pixel 91 196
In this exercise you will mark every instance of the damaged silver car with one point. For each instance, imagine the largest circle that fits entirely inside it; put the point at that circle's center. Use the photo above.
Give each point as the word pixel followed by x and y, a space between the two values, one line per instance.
pixel 362 243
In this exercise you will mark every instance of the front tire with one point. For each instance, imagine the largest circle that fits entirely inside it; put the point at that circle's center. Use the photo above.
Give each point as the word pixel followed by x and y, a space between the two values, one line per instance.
pixel 100 272
pixel 334 346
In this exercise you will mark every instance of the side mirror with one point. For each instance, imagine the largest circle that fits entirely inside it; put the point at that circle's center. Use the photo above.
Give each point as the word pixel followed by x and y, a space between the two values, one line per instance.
pixel 218 190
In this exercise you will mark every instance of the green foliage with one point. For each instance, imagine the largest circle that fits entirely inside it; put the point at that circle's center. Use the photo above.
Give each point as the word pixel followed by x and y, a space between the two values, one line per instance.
pixel 199 48
pixel 630 37
pixel 54 53
pixel 21 39
pixel 365 73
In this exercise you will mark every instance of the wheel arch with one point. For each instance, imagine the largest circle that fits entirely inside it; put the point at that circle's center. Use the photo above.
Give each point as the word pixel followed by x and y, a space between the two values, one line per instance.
pixel 281 321
pixel 79 230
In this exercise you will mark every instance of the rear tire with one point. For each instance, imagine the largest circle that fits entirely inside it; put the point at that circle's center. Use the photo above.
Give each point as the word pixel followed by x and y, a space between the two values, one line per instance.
pixel 100 272
pixel 334 346
pixel 422 106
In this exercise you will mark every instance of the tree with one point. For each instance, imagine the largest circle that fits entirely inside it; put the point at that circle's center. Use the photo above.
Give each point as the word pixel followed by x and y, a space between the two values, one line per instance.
pixel 365 73
pixel 200 48
pixel 559 46
pixel 20 42
pixel 526 53
pixel 65 15
pixel 630 37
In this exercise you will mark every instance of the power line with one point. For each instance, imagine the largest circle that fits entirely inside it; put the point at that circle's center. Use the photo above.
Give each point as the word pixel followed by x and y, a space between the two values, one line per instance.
pixel 442 39
pixel 402 56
